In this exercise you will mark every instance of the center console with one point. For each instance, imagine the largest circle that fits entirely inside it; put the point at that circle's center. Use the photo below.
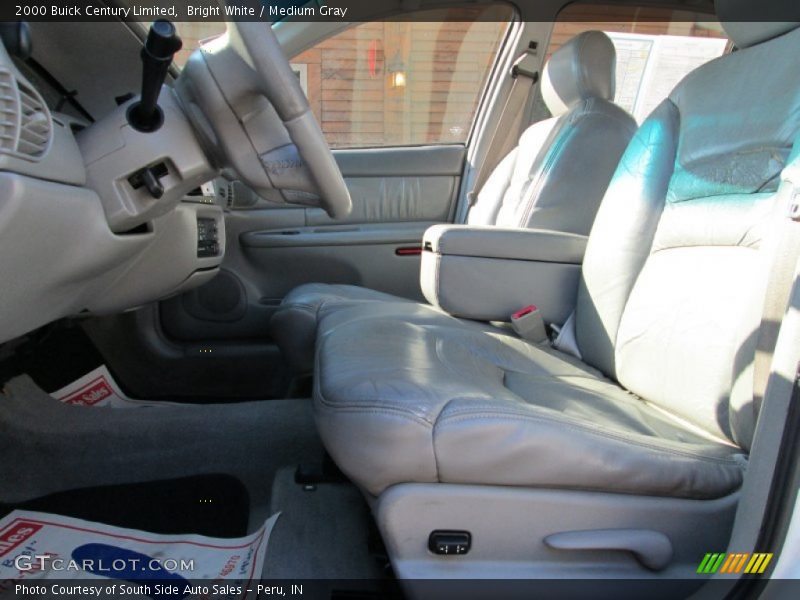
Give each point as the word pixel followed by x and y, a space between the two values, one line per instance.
pixel 489 273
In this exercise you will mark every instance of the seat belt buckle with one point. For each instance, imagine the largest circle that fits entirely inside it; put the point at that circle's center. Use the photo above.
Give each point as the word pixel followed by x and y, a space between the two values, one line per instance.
pixel 529 325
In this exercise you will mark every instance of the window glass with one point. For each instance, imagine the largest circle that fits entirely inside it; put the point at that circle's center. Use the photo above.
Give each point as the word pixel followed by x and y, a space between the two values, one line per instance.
pixel 194 33
pixel 656 48
pixel 394 83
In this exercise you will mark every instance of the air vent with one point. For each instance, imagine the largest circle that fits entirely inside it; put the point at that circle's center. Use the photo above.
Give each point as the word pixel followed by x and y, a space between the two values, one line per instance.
pixel 36 128
pixel 26 128
pixel 9 114
pixel 228 193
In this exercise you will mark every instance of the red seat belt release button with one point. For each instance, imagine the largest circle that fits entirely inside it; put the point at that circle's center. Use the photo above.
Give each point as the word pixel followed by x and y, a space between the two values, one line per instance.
pixel 529 324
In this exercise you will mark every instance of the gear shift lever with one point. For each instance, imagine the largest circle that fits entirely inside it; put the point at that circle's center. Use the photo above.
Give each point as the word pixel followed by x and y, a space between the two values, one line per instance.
pixel 161 45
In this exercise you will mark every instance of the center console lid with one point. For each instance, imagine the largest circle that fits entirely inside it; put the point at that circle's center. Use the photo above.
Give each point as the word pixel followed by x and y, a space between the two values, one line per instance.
pixel 488 273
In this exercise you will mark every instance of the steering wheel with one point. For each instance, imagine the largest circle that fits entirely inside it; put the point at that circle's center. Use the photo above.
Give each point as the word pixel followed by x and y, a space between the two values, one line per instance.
pixel 248 108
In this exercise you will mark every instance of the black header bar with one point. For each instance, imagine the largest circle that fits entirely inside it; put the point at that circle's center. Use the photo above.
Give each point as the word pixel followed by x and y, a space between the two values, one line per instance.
pixel 352 10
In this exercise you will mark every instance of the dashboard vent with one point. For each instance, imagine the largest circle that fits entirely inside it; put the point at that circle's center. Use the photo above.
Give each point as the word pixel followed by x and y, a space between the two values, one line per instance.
pixel 8 113
pixel 26 128
pixel 36 128
pixel 228 193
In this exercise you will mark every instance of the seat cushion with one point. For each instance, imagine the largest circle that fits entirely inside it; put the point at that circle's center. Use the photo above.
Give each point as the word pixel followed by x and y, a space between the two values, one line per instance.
pixel 418 396
pixel 294 324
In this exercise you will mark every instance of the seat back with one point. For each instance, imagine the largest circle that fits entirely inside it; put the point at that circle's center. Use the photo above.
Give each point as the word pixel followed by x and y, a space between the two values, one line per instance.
pixel 556 176
pixel 675 271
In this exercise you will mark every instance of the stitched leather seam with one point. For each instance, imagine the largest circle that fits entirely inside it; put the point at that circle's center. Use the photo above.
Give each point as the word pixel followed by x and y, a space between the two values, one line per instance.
pixel 366 408
pixel 553 154
pixel 300 305
pixel 630 399
pixel 433 437
pixel 557 149
pixel 511 411
pixel 686 246
pixel 635 279
pixel 593 431
pixel 375 409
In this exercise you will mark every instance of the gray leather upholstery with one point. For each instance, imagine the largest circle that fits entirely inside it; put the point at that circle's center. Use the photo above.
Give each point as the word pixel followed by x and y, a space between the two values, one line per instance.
pixel 556 176
pixel 695 196
pixel 294 326
pixel 525 266
pixel 554 179
pixel 583 68
pixel 668 309
pixel 416 396
pixel 497 242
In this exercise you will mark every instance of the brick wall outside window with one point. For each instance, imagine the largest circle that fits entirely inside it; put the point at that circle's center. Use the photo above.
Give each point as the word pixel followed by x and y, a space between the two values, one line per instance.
pixel 446 60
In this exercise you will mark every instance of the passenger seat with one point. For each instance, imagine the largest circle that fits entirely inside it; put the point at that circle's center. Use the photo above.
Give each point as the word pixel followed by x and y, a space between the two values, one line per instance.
pixel 552 465
pixel 554 179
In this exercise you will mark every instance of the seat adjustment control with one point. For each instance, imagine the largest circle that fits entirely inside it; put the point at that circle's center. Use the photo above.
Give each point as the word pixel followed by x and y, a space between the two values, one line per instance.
pixel 450 543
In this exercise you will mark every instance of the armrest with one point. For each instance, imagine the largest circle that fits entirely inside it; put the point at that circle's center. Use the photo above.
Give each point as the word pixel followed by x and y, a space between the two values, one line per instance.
pixel 496 242
pixel 488 273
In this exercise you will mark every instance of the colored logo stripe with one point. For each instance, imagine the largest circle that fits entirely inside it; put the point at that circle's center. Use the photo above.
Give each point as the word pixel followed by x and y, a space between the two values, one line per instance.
pixel 734 563
pixel 710 563
pixel 758 564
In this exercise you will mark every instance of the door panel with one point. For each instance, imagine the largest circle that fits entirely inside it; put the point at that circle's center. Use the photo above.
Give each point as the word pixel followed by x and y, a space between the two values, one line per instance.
pixel 374 264
pixel 388 185
pixel 395 234
pixel 394 199
pixel 397 194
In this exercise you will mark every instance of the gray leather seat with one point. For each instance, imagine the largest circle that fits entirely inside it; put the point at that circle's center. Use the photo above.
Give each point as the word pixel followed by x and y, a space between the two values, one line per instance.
pixel 554 179
pixel 668 309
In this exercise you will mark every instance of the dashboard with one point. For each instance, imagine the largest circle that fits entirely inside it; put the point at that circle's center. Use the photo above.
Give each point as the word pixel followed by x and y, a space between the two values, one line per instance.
pixel 81 228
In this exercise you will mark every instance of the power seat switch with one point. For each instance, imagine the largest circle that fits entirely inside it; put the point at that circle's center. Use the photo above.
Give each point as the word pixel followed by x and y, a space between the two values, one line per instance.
pixel 450 543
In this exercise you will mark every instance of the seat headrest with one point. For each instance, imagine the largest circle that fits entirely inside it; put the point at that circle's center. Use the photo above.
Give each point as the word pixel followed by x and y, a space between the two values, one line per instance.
pixel 748 23
pixel 584 67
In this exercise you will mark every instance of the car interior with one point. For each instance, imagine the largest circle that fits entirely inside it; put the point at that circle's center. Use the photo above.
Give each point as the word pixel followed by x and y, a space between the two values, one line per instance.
pixel 515 301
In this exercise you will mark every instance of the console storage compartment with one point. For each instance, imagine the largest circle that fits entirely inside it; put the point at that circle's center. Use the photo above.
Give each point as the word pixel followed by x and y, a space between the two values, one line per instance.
pixel 488 273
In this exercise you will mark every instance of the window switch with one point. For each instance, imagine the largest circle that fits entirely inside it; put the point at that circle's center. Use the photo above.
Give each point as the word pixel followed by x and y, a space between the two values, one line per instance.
pixel 450 543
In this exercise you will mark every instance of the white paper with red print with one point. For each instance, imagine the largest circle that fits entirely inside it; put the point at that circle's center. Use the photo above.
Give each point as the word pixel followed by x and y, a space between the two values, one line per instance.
pixel 234 565
pixel 98 388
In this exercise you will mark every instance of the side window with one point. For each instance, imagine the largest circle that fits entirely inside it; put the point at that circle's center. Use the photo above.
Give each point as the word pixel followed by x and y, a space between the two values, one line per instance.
pixel 411 82
pixel 193 34
pixel 656 48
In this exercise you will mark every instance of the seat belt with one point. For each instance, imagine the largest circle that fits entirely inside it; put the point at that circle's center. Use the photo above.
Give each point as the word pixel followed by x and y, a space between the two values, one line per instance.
pixel 779 287
pixel 505 134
